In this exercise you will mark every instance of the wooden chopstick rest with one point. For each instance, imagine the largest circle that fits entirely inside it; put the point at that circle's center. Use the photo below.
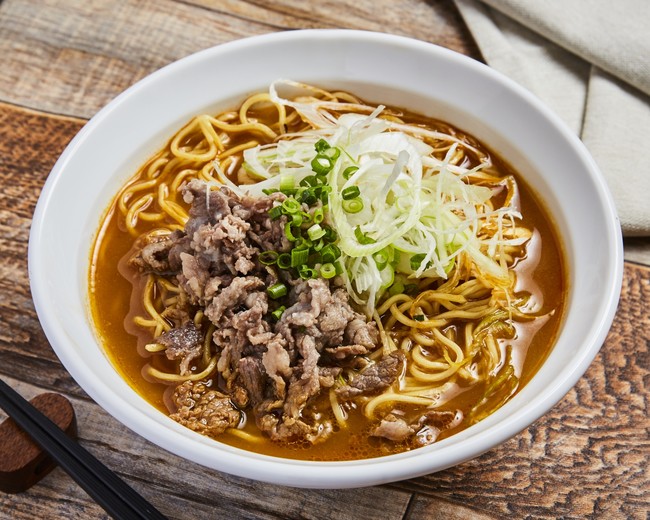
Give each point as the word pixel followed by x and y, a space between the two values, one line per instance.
pixel 22 462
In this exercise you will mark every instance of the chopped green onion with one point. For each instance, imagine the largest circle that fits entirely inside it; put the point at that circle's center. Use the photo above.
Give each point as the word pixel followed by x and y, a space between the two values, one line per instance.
pixel 306 272
pixel 291 206
pixel 268 191
pixel 268 257
pixel 277 290
pixel 324 196
pixel 299 257
pixel 330 253
pixel 318 215
pixel 330 234
pixel 286 182
pixel 396 288
pixel 315 232
pixel 296 220
pixel 307 218
pixel 362 238
pixel 284 261
pixel 275 212
pixel 381 259
pixel 303 243
pixel 277 313
pixel 318 245
pixel 353 205
pixel 410 288
pixel 327 271
pixel 321 145
pixel 350 192
pixel 310 180
pixel 333 153
pixel 308 197
pixel 321 164
pixel 416 261
pixel 349 172
pixel 396 258
pixel 288 232
pixel 419 317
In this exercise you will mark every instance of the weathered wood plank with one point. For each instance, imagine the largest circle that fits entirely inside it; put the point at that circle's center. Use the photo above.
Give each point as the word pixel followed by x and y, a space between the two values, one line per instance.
pixel 30 145
pixel 34 142
pixel 423 507
pixel 71 57
pixel 596 438
pixel 157 475
pixel 587 458
pixel 435 21
pixel 90 51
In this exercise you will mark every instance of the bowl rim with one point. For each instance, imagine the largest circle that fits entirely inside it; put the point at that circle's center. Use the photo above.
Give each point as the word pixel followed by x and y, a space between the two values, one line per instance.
pixel 299 473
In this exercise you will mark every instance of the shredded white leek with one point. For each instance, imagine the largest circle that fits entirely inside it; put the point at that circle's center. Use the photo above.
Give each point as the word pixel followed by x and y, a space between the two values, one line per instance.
pixel 413 202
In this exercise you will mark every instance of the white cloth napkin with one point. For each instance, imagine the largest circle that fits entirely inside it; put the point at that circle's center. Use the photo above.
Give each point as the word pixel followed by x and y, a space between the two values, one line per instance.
pixel 589 61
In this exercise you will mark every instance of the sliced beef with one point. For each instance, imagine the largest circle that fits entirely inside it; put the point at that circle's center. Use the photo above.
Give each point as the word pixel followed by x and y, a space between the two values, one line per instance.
pixel 327 376
pixel 224 245
pixel 184 343
pixel 430 424
pixel 277 364
pixel 267 234
pixel 312 296
pixel 335 318
pixel 357 332
pixel 232 297
pixel 153 256
pixel 206 205
pixel 193 277
pixel 375 378
pixel 307 385
pixel 393 428
pixel 251 319
pixel 283 429
pixel 325 315
pixel 421 431
pixel 272 368
pixel 182 244
pixel 203 410
pixel 346 351
pixel 230 344
pixel 253 378
pixel 215 284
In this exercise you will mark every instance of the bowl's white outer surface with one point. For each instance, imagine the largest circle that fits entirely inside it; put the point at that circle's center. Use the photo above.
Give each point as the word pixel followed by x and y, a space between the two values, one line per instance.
pixel 380 68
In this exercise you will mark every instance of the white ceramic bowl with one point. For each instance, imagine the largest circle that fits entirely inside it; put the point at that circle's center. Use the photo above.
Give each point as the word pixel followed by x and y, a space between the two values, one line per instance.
pixel 381 68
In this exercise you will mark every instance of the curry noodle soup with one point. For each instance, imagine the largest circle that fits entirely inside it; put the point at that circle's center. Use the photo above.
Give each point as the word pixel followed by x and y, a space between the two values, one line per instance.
pixel 312 277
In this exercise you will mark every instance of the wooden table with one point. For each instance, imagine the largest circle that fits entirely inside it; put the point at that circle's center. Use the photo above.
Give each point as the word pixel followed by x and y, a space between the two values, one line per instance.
pixel 60 61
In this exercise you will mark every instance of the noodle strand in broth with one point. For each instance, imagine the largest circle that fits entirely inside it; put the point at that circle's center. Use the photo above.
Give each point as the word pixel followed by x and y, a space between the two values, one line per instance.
pixel 464 323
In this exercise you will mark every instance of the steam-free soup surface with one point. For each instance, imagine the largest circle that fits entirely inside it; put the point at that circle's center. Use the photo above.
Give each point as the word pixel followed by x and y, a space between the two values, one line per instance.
pixel 470 392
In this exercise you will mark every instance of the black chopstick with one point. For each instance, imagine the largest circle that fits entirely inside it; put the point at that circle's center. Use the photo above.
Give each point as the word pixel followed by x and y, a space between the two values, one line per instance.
pixel 116 497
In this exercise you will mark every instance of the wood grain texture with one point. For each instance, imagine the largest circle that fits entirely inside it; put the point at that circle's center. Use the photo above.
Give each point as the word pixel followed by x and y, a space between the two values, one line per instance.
pixel 177 486
pixel 587 458
pixel 90 51
pixel 22 461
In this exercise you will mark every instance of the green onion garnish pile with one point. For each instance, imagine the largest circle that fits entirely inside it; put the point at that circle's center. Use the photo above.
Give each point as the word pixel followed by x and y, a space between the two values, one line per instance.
pixel 314 252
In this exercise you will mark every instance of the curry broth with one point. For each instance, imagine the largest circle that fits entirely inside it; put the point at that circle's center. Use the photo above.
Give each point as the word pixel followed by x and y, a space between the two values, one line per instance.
pixel 115 300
